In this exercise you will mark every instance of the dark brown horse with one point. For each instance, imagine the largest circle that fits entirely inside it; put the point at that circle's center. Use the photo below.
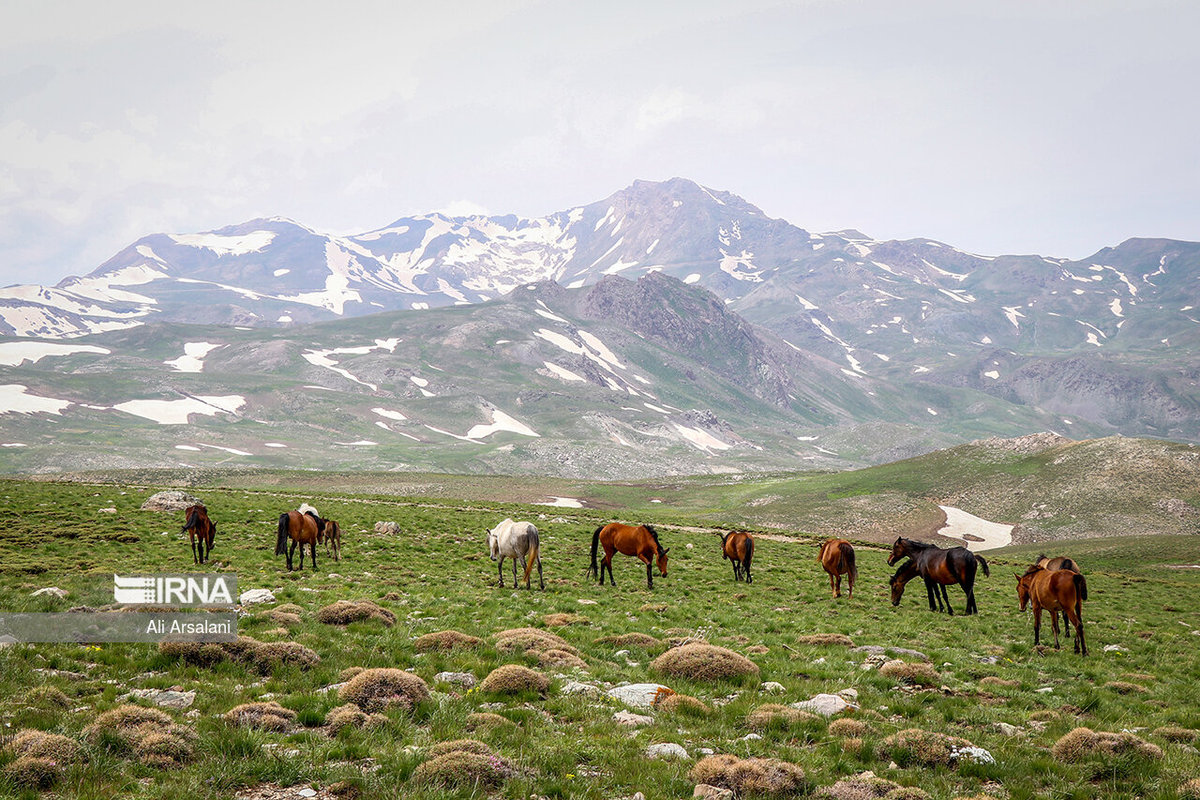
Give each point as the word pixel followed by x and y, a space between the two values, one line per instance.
pixel 200 530
pixel 837 557
pixel 1054 565
pixel 302 529
pixel 905 573
pixel 1061 590
pixel 738 547
pixel 640 541
pixel 946 567
pixel 332 536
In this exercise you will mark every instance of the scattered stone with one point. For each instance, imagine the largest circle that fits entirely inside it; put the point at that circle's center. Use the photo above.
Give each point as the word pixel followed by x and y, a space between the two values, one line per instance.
pixel 576 687
pixel 825 704
pixel 972 753
pixel 771 687
pixel 632 720
pixel 706 792
pixel 1006 729
pixel 1114 648
pixel 848 694
pixel 252 596
pixel 170 500
pixel 52 591
pixel 666 750
pixel 638 695
pixel 895 652
pixel 164 698
pixel 586 602
pixel 463 679
pixel 387 527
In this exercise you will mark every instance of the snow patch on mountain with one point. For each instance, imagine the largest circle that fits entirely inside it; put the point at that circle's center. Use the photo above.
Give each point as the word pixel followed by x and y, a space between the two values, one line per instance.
pixel 13 354
pixel 192 359
pixel 224 245
pixel 16 399
pixel 176 412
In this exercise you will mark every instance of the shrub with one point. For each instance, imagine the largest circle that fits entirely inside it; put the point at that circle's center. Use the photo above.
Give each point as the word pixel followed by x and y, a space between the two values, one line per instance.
pixel 641 640
pixel 486 719
pixel 531 641
pixel 562 620
pixel 682 704
pixel 766 776
pixel 774 715
pixel 39 744
pixel 826 639
pixel 1174 733
pixel 33 772
pixel 150 735
pixel 1083 743
pixel 263 656
pixel 915 674
pixel 351 716
pixel 268 655
pixel 283 617
pixel 847 727
pixel 514 679
pixel 348 673
pixel 377 689
pixel 343 612
pixel 268 716
pixel 444 641
pixel 47 697
pixel 1190 790
pixel 914 745
pixel 866 789
pixel 460 769
pixel 561 659
pixel 704 662
pixel 165 749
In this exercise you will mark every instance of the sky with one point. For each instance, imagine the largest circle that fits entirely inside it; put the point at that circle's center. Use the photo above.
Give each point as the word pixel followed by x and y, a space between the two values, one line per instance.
pixel 997 126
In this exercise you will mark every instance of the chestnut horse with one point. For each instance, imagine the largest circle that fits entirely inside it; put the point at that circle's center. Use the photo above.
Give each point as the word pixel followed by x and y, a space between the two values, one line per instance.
pixel 302 529
pixel 947 567
pixel 739 548
pixel 332 536
pixel 200 530
pixel 837 557
pixel 640 541
pixel 905 573
pixel 1055 564
pixel 1060 590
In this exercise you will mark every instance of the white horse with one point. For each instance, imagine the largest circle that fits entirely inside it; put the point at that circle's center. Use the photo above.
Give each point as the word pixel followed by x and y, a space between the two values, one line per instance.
pixel 516 540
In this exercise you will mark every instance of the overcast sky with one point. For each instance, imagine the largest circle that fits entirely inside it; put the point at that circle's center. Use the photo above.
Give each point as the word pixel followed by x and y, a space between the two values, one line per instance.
pixel 999 127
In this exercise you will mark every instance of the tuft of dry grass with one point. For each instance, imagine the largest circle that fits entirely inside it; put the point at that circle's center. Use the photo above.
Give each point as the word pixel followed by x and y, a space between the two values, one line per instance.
pixel 343 612
pixel 1190 790
pixel 1124 687
pixel 269 716
pixel 268 655
pixel 866 788
pixel 749 776
pixel 152 736
pixel 33 772
pixel 445 641
pixel 484 720
pixel 283 617
pixel 563 619
pixel 47 697
pixel 1083 743
pixel 914 745
pixel 531 641
pixel 40 744
pixel 642 640
pixel 774 715
pixel 848 727
pixel 915 674
pixel 1174 733
pixel 682 704
pixel 826 639
pixel 464 763
pixel 514 679
pixel 758 650
pixel 378 689
pixel 704 662
pixel 561 659
pixel 348 673
pixel 263 656
pixel 992 680
pixel 351 716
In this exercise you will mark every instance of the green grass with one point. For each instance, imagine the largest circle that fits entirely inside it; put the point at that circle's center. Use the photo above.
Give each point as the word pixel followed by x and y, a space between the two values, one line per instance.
pixel 436 575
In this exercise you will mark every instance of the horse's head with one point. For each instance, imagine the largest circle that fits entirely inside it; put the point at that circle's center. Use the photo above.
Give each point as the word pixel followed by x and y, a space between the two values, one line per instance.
pixel 898 552
pixel 897 590
pixel 493 541
pixel 662 561
pixel 1023 582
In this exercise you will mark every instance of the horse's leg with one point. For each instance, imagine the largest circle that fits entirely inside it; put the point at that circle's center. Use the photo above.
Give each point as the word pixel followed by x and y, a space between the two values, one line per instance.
pixel 312 552
pixel 737 573
pixel 945 596
pixel 194 559
pixel 609 550
pixel 1054 625
pixel 500 569
pixel 541 582
pixel 832 585
pixel 850 583
pixel 290 552
pixel 1037 624
pixel 931 592
pixel 1080 644
pixel 749 579
pixel 649 574
pixel 514 567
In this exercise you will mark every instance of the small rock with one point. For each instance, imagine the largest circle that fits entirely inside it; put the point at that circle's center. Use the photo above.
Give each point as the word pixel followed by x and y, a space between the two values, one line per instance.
pixel 387 527
pixel 576 687
pixel 976 754
pixel 707 792
pixel 251 596
pixel 848 694
pixel 637 695
pixel 690 546
pixel 1045 690
pixel 109 510
pixel 307 791
pixel 334 687
pixel 464 679
pixel 586 602
pixel 705 751
pixel 877 650
pixel 54 591
pixel 1114 648
pixel 751 737
pixel 163 697
pixel 170 500
pixel 620 654
pixel 771 687
pixel 666 750
pixel 631 719
pixel 1006 729
pixel 824 704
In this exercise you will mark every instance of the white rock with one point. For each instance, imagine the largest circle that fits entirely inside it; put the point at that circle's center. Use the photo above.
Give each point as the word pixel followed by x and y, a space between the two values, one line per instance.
pixel 849 694
pixel 637 695
pixel 631 719
pixel 1045 690
pixel 824 704
pixel 771 687
pixel 50 590
pixel 1114 648
pixel 587 602
pixel 666 750
pixel 689 546
pixel 162 697
pixel 751 737
pixel 459 678
pixel 256 596
pixel 576 687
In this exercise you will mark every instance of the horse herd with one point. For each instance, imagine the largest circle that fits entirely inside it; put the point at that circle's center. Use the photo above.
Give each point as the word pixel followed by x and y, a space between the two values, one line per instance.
pixel 1053 585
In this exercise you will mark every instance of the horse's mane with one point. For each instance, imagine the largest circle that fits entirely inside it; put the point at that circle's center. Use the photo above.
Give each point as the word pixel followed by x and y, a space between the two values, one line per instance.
pixel 907 565
pixel 654 533
pixel 1034 568
pixel 919 545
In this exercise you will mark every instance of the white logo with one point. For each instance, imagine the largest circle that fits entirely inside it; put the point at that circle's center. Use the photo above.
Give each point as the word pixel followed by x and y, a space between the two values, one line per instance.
pixel 182 590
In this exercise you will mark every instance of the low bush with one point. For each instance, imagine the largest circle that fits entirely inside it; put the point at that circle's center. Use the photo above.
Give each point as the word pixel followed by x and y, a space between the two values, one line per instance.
pixel 378 689
pixel 704 662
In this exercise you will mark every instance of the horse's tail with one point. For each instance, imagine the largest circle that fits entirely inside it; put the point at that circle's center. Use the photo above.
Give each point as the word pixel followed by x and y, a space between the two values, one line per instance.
pixel 1080 586
pixel 749 553
pixel 193 519
pixel 533 555
pixel 281 539
pixel 848 557
pixel 595 567
pixel 983 563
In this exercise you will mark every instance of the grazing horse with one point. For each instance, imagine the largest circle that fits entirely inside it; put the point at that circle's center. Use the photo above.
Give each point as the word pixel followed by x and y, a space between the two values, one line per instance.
pixel 739 548
pixel 905 573
pixel 332 536
pixel 946 567
pixel 200 530
pixel 640 541
pixel 518 541
pixel 837 557
pixel 1055 564
pixel 1060 590
pixel 303 529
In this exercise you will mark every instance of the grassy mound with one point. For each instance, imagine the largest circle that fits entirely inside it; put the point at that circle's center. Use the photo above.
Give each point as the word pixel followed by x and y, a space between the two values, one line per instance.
pixel 1125 687
pixel 343 612
pixel 868 789
pixel 283 617
pixel 774 715
pixel 47 697
pixel 749 776
pixel 682 704
pixel 1190 790
pixel 484 720
pixel 642 640
pixel 1174 733
pixel 374 690
pixel 914 674
pixel 33 772
pixel 704 662
pixel 150 735
pixel 848 727
pixel 514 679
pixel 40 744
pixel 351 716
pixel 531 641
pixel 268 716
pixel 445 641
pixel 561 659
pixel 839 639
pixel 916 746
pixel 563 619
pixel 1084 743
pixel 992 680
pixel 460 745
pixel 262 656
pixel 472 766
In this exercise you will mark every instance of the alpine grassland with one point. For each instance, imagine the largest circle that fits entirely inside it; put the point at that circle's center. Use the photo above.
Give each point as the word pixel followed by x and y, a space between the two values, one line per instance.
pixel 351 705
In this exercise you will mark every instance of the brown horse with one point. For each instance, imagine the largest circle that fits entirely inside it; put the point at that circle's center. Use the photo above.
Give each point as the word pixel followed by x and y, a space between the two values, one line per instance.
pixel 1060 590
pixel 946 567
pixel 200 530
pixel 1054 565
pixel 302 529
pixel 739 548
pixel 905 573
pixel 837 557
pixel 640 541
pixel 332 536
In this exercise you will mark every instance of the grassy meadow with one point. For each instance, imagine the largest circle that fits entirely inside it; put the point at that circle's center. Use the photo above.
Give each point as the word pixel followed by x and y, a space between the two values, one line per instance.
pixel 988 684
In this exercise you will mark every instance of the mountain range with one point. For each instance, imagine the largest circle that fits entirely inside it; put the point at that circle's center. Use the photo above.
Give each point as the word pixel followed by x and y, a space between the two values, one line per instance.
pixel 669 319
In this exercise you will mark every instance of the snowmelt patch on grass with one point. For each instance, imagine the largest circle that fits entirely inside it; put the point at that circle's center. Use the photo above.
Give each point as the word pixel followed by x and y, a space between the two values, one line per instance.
pixel 15 398
pixel 176 412
pixel 960 524
pixel 192 359
pixel 13 354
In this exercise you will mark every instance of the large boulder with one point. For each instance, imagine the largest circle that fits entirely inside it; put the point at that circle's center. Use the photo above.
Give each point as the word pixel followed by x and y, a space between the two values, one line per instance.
pixel 170 500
